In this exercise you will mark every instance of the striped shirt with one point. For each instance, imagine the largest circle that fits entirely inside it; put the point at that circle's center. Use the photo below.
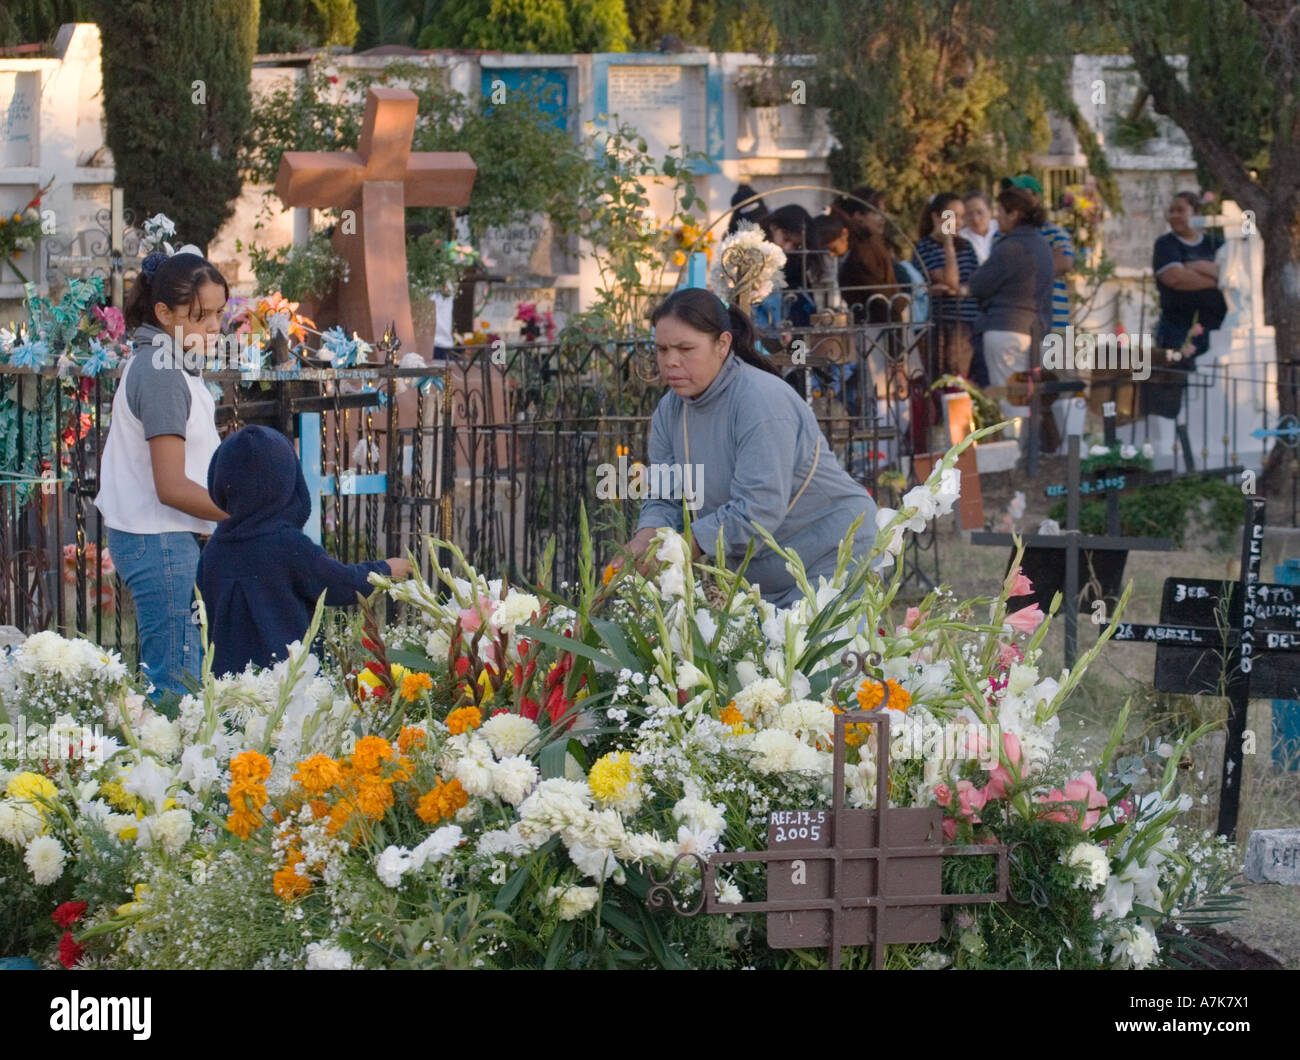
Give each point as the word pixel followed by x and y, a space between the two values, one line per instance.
pixel 929 253
pixel 1058 238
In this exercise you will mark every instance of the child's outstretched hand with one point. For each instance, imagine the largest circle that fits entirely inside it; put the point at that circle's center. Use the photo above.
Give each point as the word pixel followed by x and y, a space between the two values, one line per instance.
pixel 399 568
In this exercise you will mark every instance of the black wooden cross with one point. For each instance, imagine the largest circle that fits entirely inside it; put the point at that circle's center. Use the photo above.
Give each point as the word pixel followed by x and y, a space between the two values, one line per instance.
pixel 1075 543
pixel 843 877
pixel 1246 631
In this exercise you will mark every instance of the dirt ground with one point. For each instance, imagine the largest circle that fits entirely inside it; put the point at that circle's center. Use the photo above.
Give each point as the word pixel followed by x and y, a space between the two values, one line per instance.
pixel 1268 928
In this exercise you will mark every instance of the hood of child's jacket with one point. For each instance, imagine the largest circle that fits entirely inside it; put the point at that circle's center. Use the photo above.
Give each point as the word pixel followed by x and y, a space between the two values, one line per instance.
pixel 256 478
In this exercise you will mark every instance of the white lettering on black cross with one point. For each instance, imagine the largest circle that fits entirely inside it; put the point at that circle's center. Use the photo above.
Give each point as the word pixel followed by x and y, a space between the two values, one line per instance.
pixel 844 877
pixel 1191 644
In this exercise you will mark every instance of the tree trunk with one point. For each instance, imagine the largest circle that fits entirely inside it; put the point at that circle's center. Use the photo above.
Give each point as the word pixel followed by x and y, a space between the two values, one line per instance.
pixel 1282 310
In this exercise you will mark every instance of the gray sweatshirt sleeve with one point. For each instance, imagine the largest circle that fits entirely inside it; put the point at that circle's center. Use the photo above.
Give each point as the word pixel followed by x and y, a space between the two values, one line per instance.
pixel 657 512
pixel 989 278
pixel 760 487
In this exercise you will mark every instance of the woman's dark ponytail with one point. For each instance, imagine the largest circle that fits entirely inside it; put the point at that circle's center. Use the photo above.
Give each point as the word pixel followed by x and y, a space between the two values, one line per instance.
pixel 703 311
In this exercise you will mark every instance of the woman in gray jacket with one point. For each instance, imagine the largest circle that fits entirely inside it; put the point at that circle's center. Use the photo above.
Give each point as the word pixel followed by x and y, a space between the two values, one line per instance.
pixel 1014 287
pixel 752 449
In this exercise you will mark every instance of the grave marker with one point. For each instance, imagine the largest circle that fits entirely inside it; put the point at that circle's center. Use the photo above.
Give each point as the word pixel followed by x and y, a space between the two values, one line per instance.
pixel 1273 856
pixel 843 877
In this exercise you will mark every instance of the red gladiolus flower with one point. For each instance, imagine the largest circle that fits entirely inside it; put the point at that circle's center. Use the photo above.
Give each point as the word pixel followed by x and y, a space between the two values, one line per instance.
pixel 70 950
pixel 69 913
pixel 529 708
pixel 462 666
pixel 369 644
pixel 375 668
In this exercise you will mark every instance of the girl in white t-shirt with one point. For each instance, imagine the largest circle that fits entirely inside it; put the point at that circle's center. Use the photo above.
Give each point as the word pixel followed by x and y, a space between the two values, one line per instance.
pixel 163 433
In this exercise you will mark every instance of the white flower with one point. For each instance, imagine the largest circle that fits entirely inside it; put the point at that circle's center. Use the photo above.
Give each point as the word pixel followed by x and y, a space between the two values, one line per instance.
pixel 1099 450
pixel 690 676
pixel 44 857
pixel 161 737
pixel 572 901
pixel 198 770
pixel 1016 509
pixel 1091 860
pixel 807 718
pixel 515 610
pixel 1148 450
pixel 1136 947
pixel 513 779
pixel 777 751
pixel 728 893
pixel 392 865
pixel 597 862
pixel 149 781
pixel 505 841
pixel 437 644
pixel 323 956
pixel 474 769
pixel 672 548
pixel 705 624
pixel 1049 527
pixel 170 829
pixel 437 846
pixel 19 821
pixel 701 815
pixel 885 516
pixel 760 697
pixel 1127 451
pixel 508 734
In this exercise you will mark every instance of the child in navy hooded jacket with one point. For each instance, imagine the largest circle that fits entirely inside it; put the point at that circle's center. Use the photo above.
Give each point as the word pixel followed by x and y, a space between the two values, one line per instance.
pixel 260 576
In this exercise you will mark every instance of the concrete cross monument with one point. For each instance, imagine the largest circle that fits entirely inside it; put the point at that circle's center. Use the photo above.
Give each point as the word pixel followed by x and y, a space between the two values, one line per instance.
pixel 373 185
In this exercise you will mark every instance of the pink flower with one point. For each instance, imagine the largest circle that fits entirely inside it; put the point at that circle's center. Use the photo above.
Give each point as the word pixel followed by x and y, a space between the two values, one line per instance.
pixel 1008 654
pixel 972 799
pixel 113 321
pixel 949 829
pixel 1001 778
pixel 912 618
pixel 1027 619
pixel 1083 789
pixel 942 794
pixel 471 619
pixel 1020 584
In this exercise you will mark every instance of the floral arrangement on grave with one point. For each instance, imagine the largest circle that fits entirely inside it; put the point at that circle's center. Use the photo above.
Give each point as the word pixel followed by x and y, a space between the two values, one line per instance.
pixel 482 335
pixel 534 322
pixel 81 336
pixel 748 267
pixel 436 266
pixel 984 410
pixel 271 323
pixel 1099 456
pixel 1082 211
pixel 297 272
pixel 688 238
pixel 763 86
pixel 496 778
pixel 19 232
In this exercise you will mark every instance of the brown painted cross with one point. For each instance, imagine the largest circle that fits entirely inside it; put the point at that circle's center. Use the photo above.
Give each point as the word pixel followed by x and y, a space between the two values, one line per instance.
pixel 843 877
pixel 377 182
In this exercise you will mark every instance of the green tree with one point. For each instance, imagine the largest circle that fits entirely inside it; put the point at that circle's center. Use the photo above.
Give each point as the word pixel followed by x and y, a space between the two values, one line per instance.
pixel 177 107
pixel 538 26
pixel 292 25
pixel 393 21
pixel 38 21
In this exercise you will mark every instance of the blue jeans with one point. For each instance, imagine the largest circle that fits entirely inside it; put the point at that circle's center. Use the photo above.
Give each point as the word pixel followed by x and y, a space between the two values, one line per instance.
pixel 159 571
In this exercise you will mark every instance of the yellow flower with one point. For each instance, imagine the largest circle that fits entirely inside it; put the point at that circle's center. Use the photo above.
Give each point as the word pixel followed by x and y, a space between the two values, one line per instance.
pixel 442 800
pixel 369 679
pixel 611 775
pixel 318 774
pixel 732 717
pixel 870 695
pixel 31 787
pixel 117 796
pixel 128 833
pixel 140 893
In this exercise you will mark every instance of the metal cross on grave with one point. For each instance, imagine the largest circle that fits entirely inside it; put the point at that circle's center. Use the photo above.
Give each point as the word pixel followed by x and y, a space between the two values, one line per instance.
pixel 373 185
pixel 843 877
pixel 1247 633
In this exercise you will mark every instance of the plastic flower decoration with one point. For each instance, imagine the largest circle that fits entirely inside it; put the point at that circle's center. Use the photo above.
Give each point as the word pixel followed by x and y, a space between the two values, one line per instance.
pixel 748 267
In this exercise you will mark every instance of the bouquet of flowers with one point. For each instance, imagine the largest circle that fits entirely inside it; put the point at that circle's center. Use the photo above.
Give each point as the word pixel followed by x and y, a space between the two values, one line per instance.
pixel 748 268
pixel 20 230
pixel 1082 212
pixel 533 322
pixel 688 238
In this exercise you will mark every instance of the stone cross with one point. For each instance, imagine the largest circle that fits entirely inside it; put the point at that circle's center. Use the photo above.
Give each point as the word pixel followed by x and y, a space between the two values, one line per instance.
pixel 373 185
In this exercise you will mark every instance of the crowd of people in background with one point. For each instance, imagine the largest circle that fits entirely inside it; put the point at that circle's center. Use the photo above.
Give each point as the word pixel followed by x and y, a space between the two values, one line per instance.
pixel 988 274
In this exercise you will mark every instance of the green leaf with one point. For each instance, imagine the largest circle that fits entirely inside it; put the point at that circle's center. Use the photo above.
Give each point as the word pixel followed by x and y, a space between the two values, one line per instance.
pixel 511 890
pixel 568 644
pixel 558 941
pixel 413 660
pixel 617 643
pixel 551 759
pixel 624 924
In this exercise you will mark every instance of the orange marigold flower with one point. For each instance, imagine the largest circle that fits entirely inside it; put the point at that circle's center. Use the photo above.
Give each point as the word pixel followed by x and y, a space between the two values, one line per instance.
pixel 459 721
pixel 250 766
pixel 318 774
pixel 244 823
pixel 287 883
pixel 870 695
pixel 402 772
pixel 442 800
pixel 368 752
pixel 413 685
pixel 373 797
pixel 246 795
pixel 320 808
pixel 731 716
pixel 339 816
pixel 410 737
